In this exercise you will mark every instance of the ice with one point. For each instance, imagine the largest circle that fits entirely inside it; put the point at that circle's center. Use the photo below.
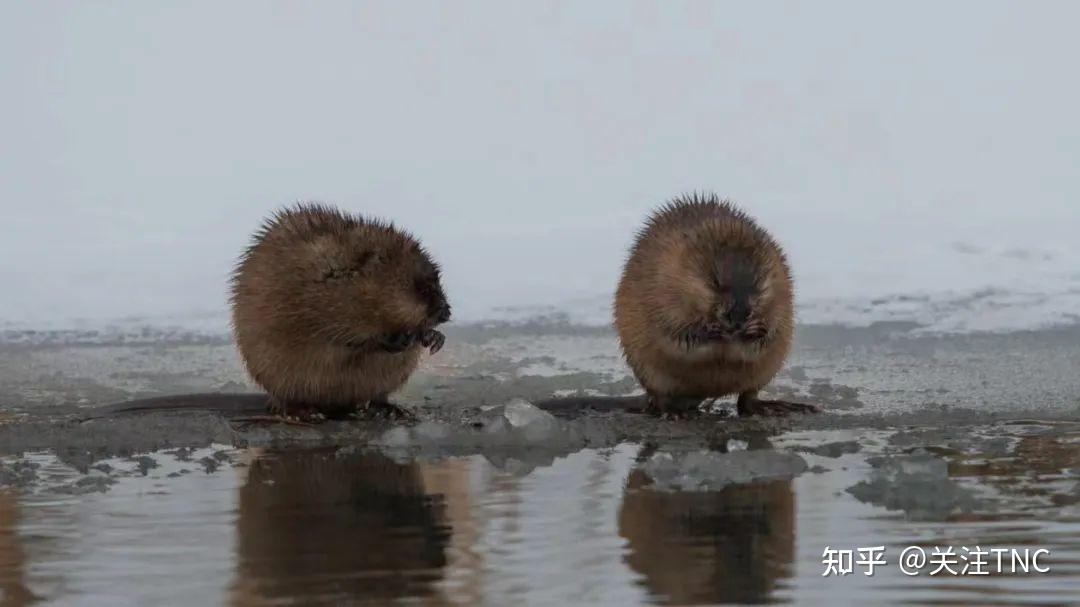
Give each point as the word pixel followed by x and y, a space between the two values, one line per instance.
pixel 989 290
pixel 516 437
pixel 514 424
pixel 18 473
pixel 528 421
pixel 711 470
pixel 835 449
pixel 193 327
pixel 918 484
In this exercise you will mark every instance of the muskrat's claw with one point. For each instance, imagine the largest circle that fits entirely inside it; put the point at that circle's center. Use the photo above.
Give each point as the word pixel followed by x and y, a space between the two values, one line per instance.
pixel 755 331
pixel 433 340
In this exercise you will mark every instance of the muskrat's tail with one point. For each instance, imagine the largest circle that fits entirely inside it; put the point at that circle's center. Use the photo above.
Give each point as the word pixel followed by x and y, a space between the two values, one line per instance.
pixel 229 404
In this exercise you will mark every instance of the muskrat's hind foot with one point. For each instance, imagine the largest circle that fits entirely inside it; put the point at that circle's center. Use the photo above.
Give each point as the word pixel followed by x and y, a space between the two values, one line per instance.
pixel 750 404
pixel 381 408
pixel 305 414
pixel 672 407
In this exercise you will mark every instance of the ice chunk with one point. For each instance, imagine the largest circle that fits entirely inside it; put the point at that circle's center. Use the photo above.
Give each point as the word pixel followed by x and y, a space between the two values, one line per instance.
pixel 521 421
pixel 516 436
pixel 515 423
pixel 917 484
pixel 534 423
pixel 835 449
pixel 18 474
pixel 711 470
pixel 520 413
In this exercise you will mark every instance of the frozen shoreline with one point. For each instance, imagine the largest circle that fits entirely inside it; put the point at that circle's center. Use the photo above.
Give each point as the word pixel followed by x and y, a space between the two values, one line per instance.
pixel 979 311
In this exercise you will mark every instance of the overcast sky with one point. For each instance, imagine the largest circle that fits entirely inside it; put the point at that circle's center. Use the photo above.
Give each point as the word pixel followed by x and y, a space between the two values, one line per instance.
pixel 524 142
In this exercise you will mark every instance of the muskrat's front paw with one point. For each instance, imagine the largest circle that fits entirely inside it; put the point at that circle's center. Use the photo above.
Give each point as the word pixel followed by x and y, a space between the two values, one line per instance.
pixel 695 336
pixel 398 342
pixel 716 332
pixel 688 338
pixel 432 340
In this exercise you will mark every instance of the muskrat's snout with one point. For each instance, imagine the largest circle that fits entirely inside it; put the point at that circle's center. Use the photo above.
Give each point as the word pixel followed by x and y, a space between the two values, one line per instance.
pixel 438 309
pixel 738 314
pixel 440 312
pixel 433 298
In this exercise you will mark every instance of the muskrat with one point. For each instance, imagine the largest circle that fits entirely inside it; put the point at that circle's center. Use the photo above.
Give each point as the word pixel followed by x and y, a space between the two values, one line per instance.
pixel 331 311
pixel 705 308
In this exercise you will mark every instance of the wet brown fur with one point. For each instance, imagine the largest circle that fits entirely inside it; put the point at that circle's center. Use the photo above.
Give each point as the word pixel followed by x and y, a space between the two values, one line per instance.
pixel 320 298
pixel 669 288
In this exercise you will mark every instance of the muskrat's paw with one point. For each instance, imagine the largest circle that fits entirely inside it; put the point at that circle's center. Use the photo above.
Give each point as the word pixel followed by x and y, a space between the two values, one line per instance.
pixel 680 415
pixel 691 337
pixel 775 408
pixel 673 408
pixel 432 340
pixel 755 331
pixel 702 334
pixel 381 409
pixel 295 412
pixel 398 342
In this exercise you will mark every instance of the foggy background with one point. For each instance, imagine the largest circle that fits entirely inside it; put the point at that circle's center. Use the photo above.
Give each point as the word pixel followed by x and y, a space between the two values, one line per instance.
pixel 916 159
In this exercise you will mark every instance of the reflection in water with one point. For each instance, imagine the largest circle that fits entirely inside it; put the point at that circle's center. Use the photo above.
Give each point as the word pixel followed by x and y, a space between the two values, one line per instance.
pixel 709 546
pixel 13 590
pixel 322 527
pixel 325 527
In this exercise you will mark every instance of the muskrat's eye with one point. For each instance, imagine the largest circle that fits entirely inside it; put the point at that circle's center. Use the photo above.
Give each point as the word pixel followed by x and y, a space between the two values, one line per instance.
pixel 367 259
pixel 337 274
pixel 721 310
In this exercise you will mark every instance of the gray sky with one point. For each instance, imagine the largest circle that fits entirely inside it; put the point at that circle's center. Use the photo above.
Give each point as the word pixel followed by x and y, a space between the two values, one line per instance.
pixel 524 142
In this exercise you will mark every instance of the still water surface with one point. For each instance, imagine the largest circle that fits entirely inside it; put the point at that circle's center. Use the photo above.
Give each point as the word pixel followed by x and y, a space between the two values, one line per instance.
pixel 349 527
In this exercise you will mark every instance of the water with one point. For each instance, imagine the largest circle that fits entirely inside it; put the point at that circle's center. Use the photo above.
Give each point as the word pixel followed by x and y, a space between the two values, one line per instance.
pixel 358 527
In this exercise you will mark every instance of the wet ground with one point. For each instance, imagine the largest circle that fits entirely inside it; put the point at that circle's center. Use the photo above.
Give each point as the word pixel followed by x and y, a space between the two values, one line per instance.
pixel 934 442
